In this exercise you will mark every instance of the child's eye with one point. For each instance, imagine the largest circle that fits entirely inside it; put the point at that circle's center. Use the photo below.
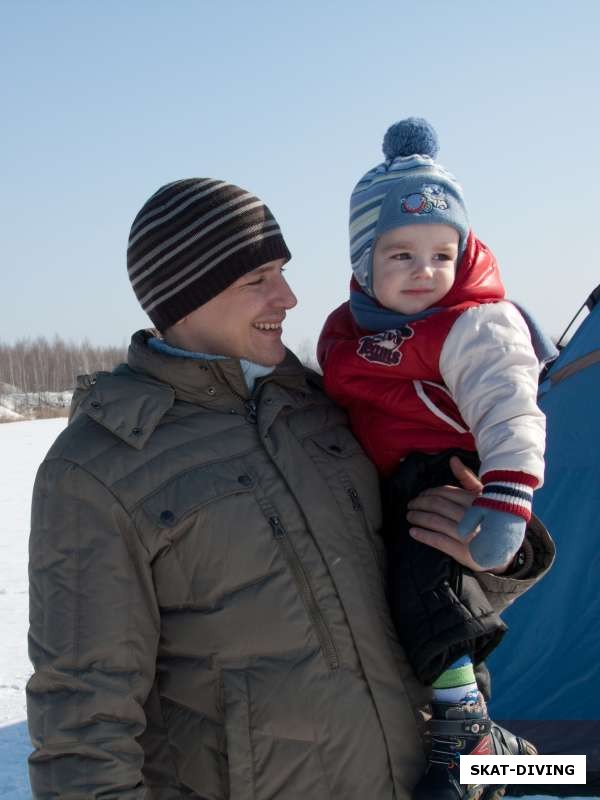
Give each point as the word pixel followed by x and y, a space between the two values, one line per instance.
pixel 400 256
pixel 444 257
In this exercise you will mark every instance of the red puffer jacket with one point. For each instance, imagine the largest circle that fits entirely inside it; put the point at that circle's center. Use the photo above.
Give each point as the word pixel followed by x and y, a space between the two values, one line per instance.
pixel 390 382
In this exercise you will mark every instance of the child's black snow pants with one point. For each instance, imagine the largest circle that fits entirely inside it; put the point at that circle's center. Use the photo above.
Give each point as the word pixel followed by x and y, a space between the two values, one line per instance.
pixel 438 607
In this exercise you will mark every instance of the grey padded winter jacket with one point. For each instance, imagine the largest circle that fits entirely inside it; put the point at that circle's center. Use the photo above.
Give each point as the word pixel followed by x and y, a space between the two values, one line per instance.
pixel 207 610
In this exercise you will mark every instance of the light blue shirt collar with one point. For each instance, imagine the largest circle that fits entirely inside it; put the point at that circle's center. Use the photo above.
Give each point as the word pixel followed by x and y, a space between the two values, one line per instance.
pixel 250 370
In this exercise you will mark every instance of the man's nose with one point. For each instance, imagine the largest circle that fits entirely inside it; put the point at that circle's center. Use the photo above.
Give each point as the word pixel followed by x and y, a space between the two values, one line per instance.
pixel 283 296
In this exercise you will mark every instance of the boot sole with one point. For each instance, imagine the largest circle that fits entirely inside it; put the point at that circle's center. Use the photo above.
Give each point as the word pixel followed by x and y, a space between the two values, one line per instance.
pixel 486 793
pixel 494 793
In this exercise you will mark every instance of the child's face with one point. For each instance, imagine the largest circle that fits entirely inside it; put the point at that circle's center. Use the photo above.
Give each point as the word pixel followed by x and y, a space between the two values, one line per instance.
pixel 414 266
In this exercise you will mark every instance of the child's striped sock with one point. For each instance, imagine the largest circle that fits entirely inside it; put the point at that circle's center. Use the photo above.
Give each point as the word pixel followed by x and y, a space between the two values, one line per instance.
pixel 457 684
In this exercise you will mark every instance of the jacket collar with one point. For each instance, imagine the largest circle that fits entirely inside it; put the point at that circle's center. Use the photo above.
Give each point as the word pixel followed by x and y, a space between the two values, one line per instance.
pixel 131 401
pixel 207 382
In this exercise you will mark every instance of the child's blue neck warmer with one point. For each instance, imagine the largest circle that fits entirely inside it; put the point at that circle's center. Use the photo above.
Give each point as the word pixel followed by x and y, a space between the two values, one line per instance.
pixel 370 315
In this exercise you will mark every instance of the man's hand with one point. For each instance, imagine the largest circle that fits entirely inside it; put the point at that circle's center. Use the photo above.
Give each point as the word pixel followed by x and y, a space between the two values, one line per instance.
pixel 435 514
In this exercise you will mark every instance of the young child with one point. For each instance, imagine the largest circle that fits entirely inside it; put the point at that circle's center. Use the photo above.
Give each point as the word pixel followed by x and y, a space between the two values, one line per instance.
pixel 431 361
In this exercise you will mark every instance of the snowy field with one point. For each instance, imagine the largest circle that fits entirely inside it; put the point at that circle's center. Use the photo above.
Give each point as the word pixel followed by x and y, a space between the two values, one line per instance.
pixel 22 447
pixel 16 405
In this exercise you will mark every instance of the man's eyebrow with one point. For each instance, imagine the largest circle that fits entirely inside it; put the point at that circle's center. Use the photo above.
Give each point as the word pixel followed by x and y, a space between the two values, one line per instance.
pixel 259 270
pixel 248 276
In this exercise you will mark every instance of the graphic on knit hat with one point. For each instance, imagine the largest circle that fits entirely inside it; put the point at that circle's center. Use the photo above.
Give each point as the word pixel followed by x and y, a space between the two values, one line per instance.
pixel 384 348
pixel 425 201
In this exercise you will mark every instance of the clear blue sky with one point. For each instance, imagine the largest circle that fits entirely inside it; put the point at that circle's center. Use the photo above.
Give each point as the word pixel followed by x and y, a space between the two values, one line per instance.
pixel 103 102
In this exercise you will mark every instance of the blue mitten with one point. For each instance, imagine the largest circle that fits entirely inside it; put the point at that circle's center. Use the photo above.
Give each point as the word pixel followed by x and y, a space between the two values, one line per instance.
pixel 499 538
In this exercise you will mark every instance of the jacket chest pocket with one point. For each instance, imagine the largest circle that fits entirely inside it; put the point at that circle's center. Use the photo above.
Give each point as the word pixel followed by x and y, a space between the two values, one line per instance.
pixel 354 482
pixel 205 520
pixel 349 473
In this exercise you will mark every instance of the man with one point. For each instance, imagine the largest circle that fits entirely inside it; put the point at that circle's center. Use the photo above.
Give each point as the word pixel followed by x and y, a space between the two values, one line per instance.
pixel 208 617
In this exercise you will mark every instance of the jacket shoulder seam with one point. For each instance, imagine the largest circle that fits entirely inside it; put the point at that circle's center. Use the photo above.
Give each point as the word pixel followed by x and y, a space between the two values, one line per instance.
pixel 97 480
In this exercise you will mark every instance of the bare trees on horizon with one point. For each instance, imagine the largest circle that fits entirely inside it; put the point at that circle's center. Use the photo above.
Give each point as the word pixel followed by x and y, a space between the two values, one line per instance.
pixel 43 365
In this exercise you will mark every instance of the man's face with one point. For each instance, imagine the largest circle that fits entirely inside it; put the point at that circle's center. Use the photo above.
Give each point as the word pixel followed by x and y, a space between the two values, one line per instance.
pixel 414 266
pixel 243 321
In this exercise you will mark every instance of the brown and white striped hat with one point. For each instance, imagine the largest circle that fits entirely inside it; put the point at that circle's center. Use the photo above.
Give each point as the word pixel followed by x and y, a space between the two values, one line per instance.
pixel 192 239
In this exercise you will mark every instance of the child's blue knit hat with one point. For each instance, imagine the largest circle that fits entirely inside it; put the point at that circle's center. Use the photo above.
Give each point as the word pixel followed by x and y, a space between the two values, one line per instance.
pixel 408 188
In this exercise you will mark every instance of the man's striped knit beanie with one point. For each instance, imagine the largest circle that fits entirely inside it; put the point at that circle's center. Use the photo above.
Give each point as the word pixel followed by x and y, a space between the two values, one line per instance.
pixel 408 188
pixel 192 239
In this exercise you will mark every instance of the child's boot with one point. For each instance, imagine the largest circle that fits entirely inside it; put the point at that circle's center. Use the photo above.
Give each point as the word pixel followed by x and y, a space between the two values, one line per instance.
pixel 464 729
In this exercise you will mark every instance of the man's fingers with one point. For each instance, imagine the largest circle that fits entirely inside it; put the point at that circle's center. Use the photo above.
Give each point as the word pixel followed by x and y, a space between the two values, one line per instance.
pixel 433 521
pixel 453 493
pixel 444 501
pixel 457 550
pixel 439 516
pixel 467 478
pixel 435 513
pixel 438 540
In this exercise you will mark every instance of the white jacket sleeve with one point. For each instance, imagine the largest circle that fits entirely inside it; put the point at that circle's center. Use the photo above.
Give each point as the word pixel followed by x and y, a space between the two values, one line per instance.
pixel 489 366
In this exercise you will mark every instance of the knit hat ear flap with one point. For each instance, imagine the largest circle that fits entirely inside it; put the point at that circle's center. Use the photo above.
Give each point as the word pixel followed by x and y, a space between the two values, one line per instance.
pixel 408 188
pixel 192 239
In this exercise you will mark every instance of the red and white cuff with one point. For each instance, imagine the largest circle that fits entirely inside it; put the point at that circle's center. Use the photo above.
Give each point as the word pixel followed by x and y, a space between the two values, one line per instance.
pixel 508 490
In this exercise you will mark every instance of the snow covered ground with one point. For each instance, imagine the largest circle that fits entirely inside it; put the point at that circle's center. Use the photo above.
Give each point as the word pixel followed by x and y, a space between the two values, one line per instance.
pixel 22 447
pixel 16 405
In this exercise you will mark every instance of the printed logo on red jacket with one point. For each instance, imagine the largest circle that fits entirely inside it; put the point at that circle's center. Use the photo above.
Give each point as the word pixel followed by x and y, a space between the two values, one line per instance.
pixel 384 348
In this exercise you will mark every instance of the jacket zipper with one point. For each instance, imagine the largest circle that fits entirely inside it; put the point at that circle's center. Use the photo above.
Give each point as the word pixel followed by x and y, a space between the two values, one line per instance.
pixel 355 499
pixel 359 509
pixel 457 579
pixel 250 406
pixel 324 636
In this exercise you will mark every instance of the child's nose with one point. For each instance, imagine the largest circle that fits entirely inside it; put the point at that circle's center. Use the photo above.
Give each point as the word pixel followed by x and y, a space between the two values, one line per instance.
pixel 422 266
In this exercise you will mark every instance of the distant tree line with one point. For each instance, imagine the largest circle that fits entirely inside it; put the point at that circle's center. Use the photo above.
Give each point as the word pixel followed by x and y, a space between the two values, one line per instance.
pixel 41 365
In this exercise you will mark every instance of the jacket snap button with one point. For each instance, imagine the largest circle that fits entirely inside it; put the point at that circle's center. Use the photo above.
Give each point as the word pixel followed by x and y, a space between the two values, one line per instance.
pixel 245 480
pixel 95 404
pixel 167 517
pixel 136 431
pixel 211 390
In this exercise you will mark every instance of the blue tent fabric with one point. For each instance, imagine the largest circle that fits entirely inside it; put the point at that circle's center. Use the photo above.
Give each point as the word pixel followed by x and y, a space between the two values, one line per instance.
pixel 546 673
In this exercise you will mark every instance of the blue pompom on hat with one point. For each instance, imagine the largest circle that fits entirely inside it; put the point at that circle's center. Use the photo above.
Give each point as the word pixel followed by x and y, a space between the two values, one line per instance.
pixel 409 137
pixel 408 188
